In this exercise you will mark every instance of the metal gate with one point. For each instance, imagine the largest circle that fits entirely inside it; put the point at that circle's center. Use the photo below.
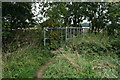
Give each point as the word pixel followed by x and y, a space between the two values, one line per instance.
pixel 66 32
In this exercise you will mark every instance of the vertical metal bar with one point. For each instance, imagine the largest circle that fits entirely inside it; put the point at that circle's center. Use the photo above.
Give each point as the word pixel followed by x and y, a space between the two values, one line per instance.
pixel 66 34
pixel 50 32
pixel 77 31
pixel 61 33
pixel 82 30
pixel 70 32
pixel 56 31
pixel 74 31
pixel 44 36
pixel 0 40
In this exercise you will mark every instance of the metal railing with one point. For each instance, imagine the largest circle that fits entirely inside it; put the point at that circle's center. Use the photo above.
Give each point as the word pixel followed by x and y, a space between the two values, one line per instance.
pixel 66 32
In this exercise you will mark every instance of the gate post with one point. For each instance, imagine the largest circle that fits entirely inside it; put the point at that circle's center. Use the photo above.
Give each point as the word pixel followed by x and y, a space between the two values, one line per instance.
pixel 66 34
pixel 44 36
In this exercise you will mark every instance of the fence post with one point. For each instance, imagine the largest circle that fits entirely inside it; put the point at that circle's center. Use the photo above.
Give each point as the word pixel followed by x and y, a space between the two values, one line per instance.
pixel 74 32
pixel 44 36
pixel 66 34
pixel 70 33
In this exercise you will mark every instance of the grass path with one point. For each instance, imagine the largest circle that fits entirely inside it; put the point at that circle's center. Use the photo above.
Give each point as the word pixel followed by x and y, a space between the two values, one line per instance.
pixel 40 71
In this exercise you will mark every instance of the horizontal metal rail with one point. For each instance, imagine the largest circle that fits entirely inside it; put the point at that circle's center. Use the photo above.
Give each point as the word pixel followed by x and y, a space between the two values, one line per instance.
pixel 66 32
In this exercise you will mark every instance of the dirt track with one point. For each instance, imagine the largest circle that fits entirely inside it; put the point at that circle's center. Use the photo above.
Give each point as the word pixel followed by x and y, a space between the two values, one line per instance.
pixel 40 71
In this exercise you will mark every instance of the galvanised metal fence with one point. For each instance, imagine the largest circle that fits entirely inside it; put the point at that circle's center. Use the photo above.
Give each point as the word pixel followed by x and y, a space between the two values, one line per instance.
pixel 64 33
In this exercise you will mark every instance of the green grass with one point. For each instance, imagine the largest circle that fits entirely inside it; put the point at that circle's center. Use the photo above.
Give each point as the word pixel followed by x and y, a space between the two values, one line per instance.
pixel 69 65
pixel 24 55
pixel 87 56
pixel 25 62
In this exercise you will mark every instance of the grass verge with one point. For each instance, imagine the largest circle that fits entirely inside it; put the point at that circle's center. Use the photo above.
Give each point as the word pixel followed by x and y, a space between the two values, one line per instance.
pixel 24 63
pixel 87 56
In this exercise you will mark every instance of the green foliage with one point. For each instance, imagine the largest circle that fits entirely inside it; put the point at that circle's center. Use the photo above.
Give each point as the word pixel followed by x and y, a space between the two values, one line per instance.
pixel 54 40
pixel 97 61
pixel 15 15
pixel 102 16
pixel 86 56
pixel 24 62
pixel 51 23
pixel 23 56
pixel 113 14
pixel 72 65
pixel 115 44
pixel 89 47
pixel 69 66
pixel 95 44
pixel 22 38
pixel 20 12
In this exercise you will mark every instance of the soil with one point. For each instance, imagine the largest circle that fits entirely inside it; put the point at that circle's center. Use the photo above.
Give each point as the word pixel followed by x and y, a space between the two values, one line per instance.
pixel 40 71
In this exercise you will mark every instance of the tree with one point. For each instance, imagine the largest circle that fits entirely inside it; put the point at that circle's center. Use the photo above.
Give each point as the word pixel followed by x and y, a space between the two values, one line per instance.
pixel 16 15
pixel 113 16
pixel 75 14
pixel 100 15
pixel 20 12
pixel 54 12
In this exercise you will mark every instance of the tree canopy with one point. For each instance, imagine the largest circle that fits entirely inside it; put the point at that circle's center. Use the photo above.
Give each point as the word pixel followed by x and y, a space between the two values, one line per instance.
pixel 102 15
pixel 16 15
pixel 20 12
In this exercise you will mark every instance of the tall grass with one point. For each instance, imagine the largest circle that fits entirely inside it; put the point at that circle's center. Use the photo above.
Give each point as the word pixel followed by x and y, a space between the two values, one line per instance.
pixel 86 56
pixel 25 63
pixel 24 56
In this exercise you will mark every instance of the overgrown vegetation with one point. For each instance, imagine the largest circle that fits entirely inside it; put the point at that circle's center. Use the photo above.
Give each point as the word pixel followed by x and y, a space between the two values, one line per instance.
pixel 99 43
pixel 91 55
pixel 25 62
pixel 87 56
pixel 22 38
pixel 24 56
